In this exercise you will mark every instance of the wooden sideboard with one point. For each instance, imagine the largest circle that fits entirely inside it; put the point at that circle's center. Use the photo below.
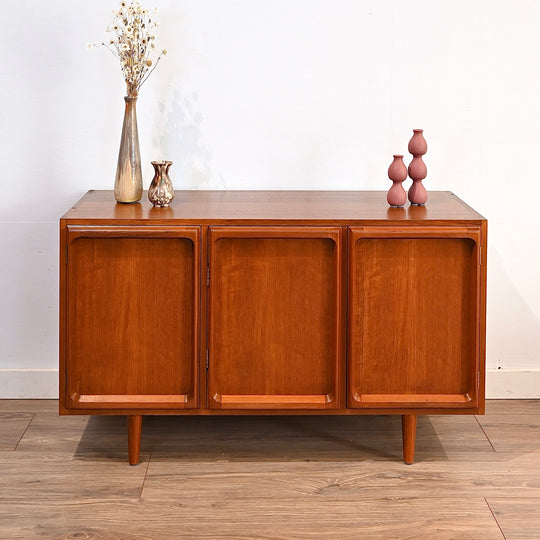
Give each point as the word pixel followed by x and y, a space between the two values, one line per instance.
pixel 272 302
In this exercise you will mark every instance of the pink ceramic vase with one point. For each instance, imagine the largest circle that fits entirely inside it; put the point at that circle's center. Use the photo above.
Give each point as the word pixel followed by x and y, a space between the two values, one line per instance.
pixel 417 168
pixel 397 172
pixel 417 144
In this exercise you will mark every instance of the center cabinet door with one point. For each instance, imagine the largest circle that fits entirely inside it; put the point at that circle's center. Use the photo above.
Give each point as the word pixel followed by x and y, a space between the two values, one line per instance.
pixel 276 329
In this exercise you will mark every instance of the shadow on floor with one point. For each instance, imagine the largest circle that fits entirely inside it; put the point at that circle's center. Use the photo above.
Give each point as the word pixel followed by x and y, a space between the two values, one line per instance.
pixel 257 438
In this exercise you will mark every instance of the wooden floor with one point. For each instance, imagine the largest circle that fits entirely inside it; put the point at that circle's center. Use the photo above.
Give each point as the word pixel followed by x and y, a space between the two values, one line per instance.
pixel 269 477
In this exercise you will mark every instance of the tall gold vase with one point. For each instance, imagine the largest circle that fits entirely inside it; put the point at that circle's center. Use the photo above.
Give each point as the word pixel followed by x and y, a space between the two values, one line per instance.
pixel 128 187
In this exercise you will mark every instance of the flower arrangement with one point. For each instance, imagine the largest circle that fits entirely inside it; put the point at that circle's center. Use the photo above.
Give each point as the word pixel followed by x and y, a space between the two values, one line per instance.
pixel 132 44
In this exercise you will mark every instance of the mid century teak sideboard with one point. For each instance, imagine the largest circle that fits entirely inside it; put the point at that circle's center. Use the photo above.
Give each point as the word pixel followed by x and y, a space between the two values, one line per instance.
pixel 272 302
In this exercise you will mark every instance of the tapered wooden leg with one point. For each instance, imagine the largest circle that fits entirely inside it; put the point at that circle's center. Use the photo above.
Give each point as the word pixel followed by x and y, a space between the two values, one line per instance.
pixel 134 438
pixel 408 425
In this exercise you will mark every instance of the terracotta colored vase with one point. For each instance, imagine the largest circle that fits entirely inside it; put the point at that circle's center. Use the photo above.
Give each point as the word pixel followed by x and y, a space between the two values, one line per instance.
pixel 417 168
pixel 397 172
pixel 417 144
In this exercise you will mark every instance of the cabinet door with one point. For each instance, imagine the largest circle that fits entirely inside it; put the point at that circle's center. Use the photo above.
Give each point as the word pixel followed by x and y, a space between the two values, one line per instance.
pixel 275 318
pixel 414 317
pixel 132 317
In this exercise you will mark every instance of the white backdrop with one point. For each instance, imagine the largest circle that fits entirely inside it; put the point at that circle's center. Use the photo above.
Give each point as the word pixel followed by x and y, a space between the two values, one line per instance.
pixel 274 94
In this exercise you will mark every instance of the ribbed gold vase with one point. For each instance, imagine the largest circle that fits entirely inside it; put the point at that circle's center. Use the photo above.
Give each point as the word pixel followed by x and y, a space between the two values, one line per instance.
pixel 161 192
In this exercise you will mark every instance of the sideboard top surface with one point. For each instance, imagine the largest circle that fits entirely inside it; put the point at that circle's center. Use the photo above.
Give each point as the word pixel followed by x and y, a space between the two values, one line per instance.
pixel 196 206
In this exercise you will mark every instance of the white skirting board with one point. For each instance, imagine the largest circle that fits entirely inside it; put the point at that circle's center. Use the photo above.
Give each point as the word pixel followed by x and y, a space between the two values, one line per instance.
pixel 512 384
pixel 28 384
pixel 43 384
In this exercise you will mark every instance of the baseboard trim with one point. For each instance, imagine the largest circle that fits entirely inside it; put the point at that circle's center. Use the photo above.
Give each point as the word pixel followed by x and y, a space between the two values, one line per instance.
pixel 28 384
pixel 512 384
pixel 43 384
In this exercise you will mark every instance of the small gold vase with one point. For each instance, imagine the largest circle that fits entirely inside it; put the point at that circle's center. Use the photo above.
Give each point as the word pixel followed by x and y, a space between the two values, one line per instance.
pixel 161 192
pixel 128 186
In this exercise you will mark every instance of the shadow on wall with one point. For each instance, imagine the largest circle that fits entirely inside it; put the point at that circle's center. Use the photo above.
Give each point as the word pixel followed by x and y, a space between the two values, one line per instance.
pixel 178 137
pixel 513 330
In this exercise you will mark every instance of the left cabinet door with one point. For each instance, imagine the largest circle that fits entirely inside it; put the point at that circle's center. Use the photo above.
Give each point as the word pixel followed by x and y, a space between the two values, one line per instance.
pixel 132 317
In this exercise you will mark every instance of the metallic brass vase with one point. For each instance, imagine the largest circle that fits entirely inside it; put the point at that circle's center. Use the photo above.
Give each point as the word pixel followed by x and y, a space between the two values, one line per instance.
pixel 161 192
pixel 128 186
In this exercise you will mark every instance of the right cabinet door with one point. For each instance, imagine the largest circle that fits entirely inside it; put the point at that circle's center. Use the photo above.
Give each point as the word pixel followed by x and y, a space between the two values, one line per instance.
pixel 414 317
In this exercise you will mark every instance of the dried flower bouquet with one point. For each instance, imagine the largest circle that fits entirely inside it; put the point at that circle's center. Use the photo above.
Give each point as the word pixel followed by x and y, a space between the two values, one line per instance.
pixel 132 44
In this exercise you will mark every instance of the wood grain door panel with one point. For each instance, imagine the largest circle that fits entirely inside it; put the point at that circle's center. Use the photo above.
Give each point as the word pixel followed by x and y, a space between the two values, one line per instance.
pixel 275 317
pixel 413 317
pixel 132 317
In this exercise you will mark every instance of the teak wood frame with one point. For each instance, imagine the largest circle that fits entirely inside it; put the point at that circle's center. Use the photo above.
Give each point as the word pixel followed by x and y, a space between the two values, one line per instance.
pixel 225 230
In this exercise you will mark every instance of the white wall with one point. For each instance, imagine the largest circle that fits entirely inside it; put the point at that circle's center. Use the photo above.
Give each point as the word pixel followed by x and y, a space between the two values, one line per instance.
pixel 274 94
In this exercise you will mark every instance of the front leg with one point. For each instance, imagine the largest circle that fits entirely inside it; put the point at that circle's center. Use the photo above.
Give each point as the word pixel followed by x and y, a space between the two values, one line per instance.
pixel 134 438
pixel 408 425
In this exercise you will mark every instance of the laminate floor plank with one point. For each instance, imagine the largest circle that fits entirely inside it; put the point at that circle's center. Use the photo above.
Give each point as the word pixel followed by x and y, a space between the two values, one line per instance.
pixel 28 477
pixel 12 428
pixel 519 518
pixel 318 437
pixel 512 432
pixel 103 436
pixel 454 433
pixel 519 476
pixel 258 517
pixel 263 438
pixel 512 406
pixel 29 405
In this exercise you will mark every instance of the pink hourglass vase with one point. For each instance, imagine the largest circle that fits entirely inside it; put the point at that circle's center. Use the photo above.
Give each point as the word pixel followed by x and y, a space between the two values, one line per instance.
pixel 417 144
pixel 417 168
pixel 417 172
pixel 397 172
